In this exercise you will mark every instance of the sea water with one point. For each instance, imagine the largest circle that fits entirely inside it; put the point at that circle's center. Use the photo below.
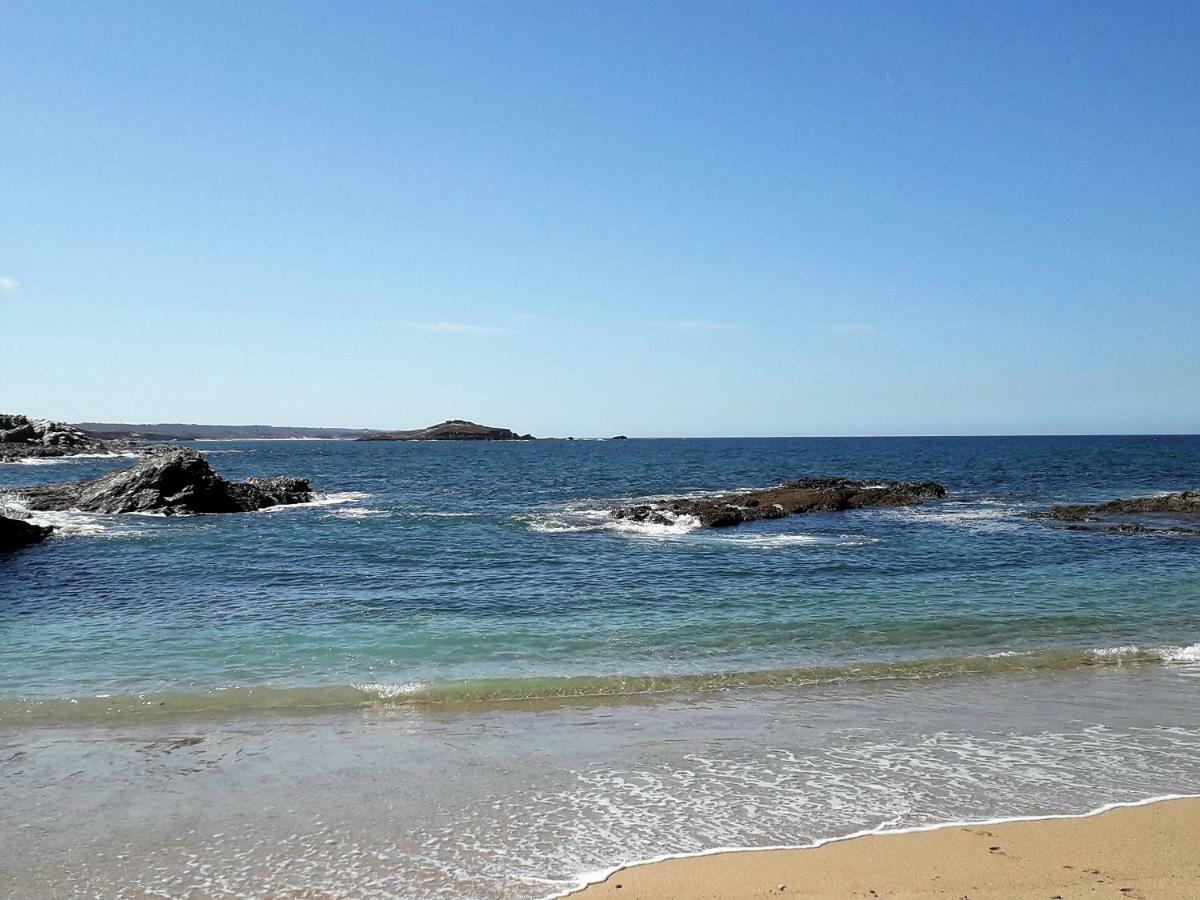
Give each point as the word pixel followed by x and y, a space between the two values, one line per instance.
pixel 454 673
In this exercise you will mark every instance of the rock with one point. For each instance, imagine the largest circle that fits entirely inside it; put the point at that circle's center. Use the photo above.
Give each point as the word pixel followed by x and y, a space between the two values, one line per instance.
pixel 15 534
pixel 173 482
pixel 1177 513
pixel 618 437
pixel 18 435
pixel 451 430
pixel 22 438
pixel 791 498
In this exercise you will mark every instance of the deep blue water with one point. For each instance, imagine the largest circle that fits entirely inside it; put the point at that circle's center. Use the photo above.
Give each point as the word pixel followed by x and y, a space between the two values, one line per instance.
pixel 493 565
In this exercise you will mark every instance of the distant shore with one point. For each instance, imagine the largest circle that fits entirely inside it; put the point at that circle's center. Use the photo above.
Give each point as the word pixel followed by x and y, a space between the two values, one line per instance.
pixel 1140 852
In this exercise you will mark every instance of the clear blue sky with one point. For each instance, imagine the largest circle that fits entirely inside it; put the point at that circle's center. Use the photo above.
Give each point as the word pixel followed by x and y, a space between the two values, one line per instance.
pixel 651 218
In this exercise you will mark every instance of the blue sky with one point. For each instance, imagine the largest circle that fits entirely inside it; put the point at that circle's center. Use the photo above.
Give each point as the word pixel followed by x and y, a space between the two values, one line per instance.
pixel 649 218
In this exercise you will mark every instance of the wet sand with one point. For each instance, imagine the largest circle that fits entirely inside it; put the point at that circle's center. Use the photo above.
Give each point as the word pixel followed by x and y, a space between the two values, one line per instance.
pixel 1138 853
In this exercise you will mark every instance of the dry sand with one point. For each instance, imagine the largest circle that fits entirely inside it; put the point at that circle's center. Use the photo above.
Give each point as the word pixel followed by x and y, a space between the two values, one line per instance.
pixel 1136 853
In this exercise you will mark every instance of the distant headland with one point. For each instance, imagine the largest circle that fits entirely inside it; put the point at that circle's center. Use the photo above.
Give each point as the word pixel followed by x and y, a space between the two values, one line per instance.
pixel 450 430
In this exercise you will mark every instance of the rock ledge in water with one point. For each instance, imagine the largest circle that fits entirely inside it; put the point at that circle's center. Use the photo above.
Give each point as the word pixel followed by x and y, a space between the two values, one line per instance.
pixel 174 482
pixel 1177 513
pixel 806 495
pixel 15 534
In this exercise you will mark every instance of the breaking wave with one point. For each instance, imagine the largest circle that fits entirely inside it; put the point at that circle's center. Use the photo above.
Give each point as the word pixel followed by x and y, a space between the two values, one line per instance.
pixel 575 688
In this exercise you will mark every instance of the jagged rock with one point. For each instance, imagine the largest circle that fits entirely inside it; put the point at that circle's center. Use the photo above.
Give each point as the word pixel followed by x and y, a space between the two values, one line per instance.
pixel 15 534
pixel 18 435
pixel 1177 513
pixel 174 482
pixel 22 437
pixel 451 430
pixel 791 498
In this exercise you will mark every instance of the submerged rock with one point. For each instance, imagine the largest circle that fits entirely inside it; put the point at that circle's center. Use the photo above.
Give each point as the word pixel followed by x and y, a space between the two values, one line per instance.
pixel 173 482
pixel 451 430
pixel 15 534
pixel 1177 513
pixel 806 495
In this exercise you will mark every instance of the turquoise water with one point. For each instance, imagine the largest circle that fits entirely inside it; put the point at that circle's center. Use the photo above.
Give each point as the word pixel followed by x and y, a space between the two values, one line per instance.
pixel 446 572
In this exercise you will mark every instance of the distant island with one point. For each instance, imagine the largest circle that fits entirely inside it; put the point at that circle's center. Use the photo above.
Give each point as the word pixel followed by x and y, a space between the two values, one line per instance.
pixel 451 430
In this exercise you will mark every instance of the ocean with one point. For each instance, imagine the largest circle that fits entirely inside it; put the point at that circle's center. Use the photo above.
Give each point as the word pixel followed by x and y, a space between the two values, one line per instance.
pixel 454 675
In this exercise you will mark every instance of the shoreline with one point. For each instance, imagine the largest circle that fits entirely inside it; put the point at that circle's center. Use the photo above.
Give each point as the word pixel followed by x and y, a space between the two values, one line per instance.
pixel 908 871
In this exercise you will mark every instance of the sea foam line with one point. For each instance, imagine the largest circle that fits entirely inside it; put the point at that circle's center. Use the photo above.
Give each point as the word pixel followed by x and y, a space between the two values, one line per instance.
pixel 884 829
pixel 320 499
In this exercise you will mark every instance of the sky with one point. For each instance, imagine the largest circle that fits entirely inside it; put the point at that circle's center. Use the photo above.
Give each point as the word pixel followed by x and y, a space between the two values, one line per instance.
pixel 648 218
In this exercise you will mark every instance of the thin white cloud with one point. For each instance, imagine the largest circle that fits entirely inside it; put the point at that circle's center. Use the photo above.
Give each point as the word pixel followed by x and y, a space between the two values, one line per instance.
pixel 700 325
pixel 8 284
pixel 457 328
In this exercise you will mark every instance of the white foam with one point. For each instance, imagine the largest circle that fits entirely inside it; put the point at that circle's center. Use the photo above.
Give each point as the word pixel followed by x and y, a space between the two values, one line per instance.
pixel 321 499
pixel 771 541
pixel 387 691
pixel 69 522
pixel 681 524
pixel 359 512
pixel 1123 650
pixel 1188 654
pixel 979 516
pixel 1181 654
pixel 587 519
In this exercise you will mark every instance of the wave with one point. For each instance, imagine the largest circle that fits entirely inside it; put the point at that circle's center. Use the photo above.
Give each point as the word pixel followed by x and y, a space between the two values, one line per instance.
pixel 78 523
pixel 572 688
pixel 359 512
pixel 985 516
pixel 774 541
pixel 70 522
pixel 584 518
pixel 320 499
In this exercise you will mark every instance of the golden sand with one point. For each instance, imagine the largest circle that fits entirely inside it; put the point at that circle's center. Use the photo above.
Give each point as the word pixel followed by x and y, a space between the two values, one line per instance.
pixel 1147 852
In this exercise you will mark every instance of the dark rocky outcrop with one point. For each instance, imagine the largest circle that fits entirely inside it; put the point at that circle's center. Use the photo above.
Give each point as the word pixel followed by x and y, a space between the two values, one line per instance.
pixel 173 482
pixel 15 534
pixel 1177 513
pixel 23 438
pixel 619 437
pixel 452 430
pixel 807 495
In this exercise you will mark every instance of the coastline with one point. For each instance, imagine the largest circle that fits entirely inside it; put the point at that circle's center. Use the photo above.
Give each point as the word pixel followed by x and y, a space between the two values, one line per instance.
pixel 1137 849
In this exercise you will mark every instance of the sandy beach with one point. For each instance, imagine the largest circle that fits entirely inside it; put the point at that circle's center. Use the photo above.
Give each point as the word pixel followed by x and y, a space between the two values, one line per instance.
pixel 1145 852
